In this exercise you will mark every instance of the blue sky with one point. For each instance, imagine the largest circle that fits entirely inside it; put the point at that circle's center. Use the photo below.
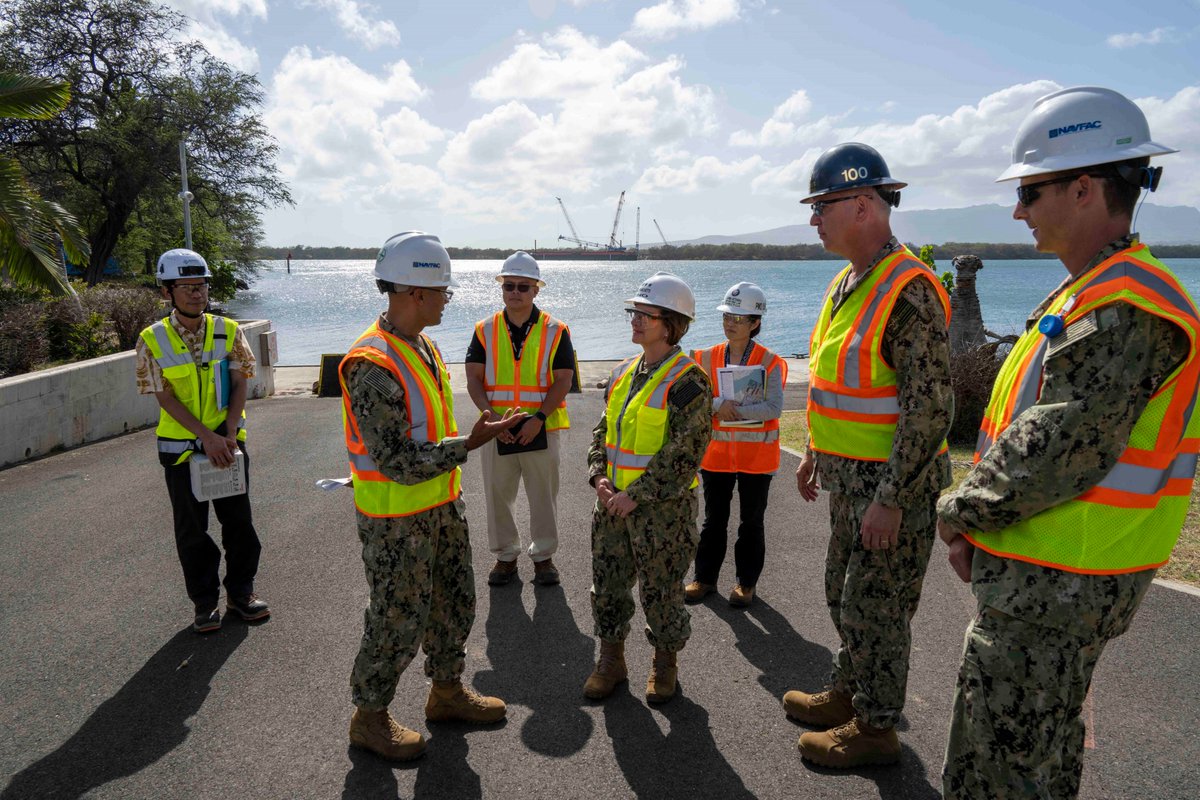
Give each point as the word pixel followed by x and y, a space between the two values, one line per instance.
pixel 466 119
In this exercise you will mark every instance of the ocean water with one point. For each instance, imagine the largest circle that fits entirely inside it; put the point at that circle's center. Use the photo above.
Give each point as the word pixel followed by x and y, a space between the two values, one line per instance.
pixel 322 306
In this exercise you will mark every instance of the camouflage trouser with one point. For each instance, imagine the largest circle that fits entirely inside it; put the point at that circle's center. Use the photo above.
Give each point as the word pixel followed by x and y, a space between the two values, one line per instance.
pixel 1016 730
pixel 653 546
pixel 872 597
pixel 422 595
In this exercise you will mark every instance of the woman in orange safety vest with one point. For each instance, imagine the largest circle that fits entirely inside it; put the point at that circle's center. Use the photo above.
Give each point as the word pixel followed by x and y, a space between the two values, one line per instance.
pixel 744 450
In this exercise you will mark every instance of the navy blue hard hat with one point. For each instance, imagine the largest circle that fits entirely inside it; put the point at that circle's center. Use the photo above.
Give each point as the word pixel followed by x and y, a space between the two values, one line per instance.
pixel 850 165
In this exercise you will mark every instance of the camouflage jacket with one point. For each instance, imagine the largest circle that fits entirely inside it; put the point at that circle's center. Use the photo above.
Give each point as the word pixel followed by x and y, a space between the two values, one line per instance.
pixel 1093 391
pixel 377 403
pixel 689 427
pixel 916 343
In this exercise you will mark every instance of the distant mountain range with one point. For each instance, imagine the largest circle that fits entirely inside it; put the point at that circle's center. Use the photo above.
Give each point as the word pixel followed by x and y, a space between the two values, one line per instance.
pixel 985 223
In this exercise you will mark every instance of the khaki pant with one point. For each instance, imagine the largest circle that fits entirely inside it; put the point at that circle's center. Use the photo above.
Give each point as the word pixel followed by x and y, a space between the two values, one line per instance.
pixel 501 475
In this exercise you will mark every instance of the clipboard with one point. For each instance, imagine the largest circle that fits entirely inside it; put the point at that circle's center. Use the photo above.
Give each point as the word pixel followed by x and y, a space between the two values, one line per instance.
pixel 540 442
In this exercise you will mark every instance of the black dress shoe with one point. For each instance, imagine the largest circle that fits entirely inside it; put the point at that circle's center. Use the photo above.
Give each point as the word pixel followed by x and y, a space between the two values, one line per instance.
pixel 207 621
pixel 248 607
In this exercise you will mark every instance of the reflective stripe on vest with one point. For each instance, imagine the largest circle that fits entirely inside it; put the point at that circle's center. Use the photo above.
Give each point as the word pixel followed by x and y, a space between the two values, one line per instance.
pixel 431 419
pixel 522 383
pixel 637 424
pixel 1130 520
pixel 752 449
pixel 197 387
pixel 852 398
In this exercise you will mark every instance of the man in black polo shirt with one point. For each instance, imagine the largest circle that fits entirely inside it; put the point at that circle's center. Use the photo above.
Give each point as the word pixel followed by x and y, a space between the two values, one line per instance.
pixel 522 358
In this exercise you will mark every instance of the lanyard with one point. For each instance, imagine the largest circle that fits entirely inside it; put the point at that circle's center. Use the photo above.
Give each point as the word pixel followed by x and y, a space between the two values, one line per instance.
pixel 744 360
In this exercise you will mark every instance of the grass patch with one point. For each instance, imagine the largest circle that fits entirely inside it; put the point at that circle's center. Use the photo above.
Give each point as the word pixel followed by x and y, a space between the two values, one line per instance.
pixel 1184 565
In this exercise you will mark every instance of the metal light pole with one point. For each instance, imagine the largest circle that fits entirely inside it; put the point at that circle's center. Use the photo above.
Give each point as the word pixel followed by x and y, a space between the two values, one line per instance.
pixel 185 196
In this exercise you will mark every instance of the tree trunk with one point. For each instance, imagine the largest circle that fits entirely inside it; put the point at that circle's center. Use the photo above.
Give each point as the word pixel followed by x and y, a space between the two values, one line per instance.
pixel 104 241
pixel 966 318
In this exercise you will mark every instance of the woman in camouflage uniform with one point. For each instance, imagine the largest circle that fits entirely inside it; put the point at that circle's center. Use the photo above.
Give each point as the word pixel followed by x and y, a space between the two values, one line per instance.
pixel 645 452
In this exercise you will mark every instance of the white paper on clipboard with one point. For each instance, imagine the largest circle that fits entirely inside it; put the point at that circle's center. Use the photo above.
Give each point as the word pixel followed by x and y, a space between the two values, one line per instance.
pixel 743 385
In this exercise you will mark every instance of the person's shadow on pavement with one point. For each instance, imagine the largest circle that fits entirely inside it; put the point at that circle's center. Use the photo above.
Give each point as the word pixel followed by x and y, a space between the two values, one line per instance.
pixel 144 721
pixel 684 762
pixel 785 659
pixel 539 663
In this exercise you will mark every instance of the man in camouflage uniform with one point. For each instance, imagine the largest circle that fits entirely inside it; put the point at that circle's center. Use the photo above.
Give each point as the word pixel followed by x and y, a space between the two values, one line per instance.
pixel 417 559
pixel 647 532
pixel 882 491
pixel 1043 620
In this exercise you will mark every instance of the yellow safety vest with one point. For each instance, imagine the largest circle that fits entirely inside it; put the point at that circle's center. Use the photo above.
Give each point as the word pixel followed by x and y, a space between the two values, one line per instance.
pixel 430 416
pixel 1131 520
pixel 852 398
pixel 752 449
pixel 523 383
pixel 637 425
pixel 197 386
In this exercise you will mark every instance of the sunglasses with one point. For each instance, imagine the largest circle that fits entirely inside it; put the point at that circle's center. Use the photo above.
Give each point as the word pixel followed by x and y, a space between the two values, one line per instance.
pixel 448 292
pixel 523 288
pixel 635 314
pixel 1028 194
pixel 818 208
pixel 738 319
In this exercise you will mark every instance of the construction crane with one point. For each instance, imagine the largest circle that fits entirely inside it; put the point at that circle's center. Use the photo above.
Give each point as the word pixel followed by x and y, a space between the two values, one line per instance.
pixel 660 233
pixel 574 237
pixel 612 237
pixel 637 231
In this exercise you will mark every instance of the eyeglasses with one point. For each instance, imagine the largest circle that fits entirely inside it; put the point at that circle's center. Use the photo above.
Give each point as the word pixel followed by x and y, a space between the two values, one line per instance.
pixel 523 288
pixel 818 208
pixel 448 292
pixel 193 288
pixel 738 319
pixel 1028 194
pixel 635 314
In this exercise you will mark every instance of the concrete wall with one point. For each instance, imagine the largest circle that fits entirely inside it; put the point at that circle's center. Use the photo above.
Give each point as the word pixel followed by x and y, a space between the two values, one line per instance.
pixel 67 406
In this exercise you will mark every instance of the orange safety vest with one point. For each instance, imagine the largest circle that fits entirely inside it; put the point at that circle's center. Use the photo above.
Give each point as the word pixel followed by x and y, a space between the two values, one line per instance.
pixel 522 383
pixel 750 448
pixel 852 399
pixel 1132 518
pixel 431 419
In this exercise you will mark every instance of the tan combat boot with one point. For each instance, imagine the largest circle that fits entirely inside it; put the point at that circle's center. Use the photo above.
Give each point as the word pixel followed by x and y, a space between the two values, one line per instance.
pixel 826 709
pixel 450 701
pixel 741 596
pixel 660 686
pixel 378 732
pixel 696 591
pixel 610 671
pixel 855 744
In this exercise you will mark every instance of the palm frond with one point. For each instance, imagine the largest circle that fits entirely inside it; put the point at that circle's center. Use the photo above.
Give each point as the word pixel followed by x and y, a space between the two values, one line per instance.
pixel 30 97
pixel 31 229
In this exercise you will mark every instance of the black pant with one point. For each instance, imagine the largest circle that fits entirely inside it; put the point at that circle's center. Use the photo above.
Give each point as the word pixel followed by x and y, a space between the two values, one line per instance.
pixel 751 546
pixel 198 553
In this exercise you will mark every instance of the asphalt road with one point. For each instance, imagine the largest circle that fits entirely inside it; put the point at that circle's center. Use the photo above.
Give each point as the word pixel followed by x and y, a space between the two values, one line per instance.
pixel 106 693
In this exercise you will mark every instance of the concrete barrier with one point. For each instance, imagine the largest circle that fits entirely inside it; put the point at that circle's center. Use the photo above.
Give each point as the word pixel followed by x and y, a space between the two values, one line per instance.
pixel 64 407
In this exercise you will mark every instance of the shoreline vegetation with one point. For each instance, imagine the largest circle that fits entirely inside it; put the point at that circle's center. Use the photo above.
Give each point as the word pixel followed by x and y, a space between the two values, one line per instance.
pixel 714 252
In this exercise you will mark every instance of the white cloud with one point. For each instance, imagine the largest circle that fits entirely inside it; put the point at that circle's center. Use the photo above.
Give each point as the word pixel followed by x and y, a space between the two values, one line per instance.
pixel 575 113
pixel 340 132
pixel 671 17
pixel 1173 123
pixel 1122 41
pixel 207 24
pixel 786 125
pixel 706 172
pixel 949 159
pixel 563 63
pixel 358 23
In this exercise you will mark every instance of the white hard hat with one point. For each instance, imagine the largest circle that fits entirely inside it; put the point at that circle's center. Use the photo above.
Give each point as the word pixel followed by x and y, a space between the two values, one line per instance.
pixel 1080 127
pixel 666 291
pixel 744 298
pixel 414 258
pixel 521 265
pixel 181 263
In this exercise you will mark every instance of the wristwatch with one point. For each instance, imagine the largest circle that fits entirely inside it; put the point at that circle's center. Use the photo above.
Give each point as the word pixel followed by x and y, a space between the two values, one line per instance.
pixel 540 415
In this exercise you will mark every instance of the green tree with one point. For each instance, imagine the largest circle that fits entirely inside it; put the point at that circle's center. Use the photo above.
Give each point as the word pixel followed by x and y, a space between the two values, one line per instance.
pixel 32 227
pixel 137 88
